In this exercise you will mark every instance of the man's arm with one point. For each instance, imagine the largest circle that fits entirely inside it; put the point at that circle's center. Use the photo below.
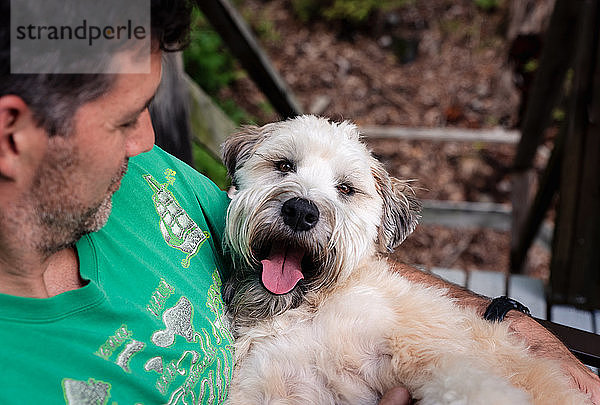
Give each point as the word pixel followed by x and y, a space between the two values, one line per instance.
pixel 464 297
pixel 541 342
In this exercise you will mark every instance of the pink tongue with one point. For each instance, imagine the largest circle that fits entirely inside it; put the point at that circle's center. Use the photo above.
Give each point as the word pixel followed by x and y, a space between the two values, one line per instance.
pixel 281 270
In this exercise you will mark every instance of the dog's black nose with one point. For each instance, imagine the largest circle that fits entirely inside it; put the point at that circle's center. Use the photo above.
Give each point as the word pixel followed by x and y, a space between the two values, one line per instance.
pixel 300 214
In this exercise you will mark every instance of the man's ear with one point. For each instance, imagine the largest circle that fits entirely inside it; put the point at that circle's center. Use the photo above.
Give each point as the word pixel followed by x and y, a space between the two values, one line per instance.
pixel 238 147
pixel 401 209
pixel 20 137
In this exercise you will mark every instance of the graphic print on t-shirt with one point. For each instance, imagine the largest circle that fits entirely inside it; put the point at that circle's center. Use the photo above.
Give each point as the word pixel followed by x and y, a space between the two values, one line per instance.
pixel 200 385
pixel 197 373
pixel 214 302
pixel 178 321
pixel 176 226
pixel 85 392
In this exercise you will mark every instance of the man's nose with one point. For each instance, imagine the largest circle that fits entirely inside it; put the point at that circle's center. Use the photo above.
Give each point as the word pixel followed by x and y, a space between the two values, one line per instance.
pixel 141 138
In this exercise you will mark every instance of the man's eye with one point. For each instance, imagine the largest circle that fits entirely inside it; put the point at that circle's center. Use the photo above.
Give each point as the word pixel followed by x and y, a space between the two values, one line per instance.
pixel 130 124
pixel 284 166
pixel 345 189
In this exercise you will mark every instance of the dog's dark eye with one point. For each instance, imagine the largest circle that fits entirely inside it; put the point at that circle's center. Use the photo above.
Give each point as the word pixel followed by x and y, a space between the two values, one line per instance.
pixel 284 166
pixel 345 189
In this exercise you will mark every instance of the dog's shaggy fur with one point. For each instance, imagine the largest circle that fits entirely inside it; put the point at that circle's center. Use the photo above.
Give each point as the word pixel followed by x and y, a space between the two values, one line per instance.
pixel 349 328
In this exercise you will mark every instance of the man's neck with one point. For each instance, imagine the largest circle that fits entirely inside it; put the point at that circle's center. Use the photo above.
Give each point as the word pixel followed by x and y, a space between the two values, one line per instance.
pixel 62 273
pixel 57 274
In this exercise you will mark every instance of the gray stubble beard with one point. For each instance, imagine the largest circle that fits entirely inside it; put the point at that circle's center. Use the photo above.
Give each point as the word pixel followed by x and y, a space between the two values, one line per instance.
pixel 61 228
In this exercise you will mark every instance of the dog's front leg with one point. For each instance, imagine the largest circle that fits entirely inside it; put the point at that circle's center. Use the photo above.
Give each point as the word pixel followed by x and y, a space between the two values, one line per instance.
pixel 457 381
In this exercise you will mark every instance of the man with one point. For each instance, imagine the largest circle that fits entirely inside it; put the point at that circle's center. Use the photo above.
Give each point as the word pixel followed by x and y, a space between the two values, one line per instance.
pixel 129 314
pixel 125 309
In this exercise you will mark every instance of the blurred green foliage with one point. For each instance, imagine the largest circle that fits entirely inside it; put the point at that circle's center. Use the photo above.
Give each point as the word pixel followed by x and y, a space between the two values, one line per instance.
pixel 207 62
pixel 211 66
pixel 487 5
pixel 350 11
pixel 531 65
pixel 558 114
pixel 210 166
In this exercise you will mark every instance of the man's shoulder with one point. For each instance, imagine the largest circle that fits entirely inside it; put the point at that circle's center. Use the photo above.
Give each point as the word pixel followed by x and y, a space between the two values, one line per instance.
pixel 158 170
pixel 158 161
pixel 156 158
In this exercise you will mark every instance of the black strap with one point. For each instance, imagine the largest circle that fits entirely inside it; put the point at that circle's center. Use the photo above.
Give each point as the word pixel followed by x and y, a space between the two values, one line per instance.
pixel 500 306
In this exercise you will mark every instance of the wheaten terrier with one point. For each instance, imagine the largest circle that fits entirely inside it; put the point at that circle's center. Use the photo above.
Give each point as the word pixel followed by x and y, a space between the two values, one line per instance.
pixel 318 315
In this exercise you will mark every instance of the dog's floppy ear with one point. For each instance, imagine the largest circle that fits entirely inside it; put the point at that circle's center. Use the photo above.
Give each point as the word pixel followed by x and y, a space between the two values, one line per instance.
pixel 401 209
pixel 238 147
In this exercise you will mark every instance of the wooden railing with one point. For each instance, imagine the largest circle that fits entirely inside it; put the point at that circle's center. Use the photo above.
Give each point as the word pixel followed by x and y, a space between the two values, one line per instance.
pixel 573 172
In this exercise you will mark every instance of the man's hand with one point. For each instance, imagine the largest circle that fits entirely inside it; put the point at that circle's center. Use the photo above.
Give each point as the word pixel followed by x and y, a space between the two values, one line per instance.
pixel 585 380
pixel 543 343
pixel 396 396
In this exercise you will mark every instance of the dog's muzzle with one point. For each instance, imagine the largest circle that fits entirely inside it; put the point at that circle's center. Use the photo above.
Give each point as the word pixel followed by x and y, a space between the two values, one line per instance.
pixel 285 261
pixel 300 214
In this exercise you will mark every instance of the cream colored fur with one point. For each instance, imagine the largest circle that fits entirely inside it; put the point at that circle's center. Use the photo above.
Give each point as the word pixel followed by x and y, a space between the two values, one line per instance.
pixel 354 329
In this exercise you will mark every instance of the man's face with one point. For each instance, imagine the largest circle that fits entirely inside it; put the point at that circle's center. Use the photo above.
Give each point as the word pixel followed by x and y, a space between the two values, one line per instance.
pixel 73 186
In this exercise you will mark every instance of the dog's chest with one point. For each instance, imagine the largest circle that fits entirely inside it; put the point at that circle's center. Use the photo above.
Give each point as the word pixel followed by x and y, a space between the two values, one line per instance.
pixel 346 334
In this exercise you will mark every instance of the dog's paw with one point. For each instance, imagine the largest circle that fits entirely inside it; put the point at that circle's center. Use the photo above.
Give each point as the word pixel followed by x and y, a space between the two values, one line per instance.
pixel 466 385
pixel 480 396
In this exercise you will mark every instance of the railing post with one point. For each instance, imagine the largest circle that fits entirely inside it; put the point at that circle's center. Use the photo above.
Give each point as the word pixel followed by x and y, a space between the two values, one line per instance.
pixel 546 90
pixel 239 39
pixel 575 265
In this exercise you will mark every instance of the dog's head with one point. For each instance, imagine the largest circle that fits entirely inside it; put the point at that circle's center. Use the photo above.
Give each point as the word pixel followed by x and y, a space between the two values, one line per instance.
pixel 310 204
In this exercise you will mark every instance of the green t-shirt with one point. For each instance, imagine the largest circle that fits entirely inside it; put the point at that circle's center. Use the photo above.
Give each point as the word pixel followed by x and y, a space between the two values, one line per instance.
pixel 149 327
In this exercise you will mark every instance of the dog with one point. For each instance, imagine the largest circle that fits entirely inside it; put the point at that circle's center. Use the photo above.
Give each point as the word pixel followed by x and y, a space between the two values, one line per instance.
pixel 318 314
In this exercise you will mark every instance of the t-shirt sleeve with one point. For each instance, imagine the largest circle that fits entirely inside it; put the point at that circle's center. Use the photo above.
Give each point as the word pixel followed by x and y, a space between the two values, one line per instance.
pixel 214 203
pixel 212 200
